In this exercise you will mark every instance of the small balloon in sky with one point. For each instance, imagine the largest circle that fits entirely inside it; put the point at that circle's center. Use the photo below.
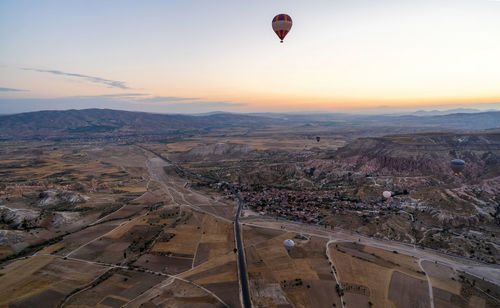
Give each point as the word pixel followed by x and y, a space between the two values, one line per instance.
pixel 282 24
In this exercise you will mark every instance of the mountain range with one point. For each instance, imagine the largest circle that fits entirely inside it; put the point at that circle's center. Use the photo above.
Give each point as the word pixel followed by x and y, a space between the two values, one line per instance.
pixel 106 122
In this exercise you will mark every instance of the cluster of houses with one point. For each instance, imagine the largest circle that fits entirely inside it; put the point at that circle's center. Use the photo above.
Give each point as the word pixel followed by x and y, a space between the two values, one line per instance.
pixel 309 206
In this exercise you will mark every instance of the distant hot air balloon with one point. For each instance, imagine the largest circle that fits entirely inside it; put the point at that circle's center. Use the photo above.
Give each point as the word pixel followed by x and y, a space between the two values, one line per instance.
pixel 318 138
pixel 289 244
pixel 387 194
pixel 457 165
pixel 282 24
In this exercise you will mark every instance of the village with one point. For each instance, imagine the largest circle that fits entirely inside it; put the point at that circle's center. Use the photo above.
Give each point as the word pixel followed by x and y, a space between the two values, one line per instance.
pixel 306 205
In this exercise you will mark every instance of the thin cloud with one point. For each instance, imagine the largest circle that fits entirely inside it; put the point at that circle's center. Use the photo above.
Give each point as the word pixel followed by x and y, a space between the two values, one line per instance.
pixel 162 99
pixel 126 96
pixel 108 82
pixel 11 90
pixel 208 105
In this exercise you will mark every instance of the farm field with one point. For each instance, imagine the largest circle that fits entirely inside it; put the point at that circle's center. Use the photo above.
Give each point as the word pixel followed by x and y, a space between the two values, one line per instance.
pixel 375 277
pixel 44 279
pixel 278 278
pixel 157 227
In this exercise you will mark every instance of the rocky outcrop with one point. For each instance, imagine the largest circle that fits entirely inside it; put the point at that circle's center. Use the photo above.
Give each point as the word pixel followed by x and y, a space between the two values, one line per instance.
pixel 54 197
pixel 418 155
pixel 18 218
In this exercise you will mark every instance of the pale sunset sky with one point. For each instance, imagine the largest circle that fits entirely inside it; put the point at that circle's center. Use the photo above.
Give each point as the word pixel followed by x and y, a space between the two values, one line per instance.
pixel 188 56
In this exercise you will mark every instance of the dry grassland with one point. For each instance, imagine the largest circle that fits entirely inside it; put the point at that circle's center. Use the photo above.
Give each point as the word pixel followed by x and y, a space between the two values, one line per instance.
pixel 117 290
pixel 52 248
pixel 406 264
pixel 287 143
pixel 407 291
pixel 184 243
pixel 300 277
pixel 175 293
pixel 361 267
pixel 355 271
pixel 126 228
pixel 210 264
pixel 5 251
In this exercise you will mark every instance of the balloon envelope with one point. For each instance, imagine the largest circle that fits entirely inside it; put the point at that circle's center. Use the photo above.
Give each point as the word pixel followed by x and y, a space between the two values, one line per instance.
pixel 457 165
pixel 288 244
pixel 387 194
pixel 282 24
pixel 318 139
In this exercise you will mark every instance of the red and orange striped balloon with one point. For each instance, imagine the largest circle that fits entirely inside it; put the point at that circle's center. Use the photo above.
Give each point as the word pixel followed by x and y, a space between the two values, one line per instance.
pixel 282 24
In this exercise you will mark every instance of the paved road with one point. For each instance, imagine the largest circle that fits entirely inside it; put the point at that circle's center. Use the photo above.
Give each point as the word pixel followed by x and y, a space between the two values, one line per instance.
pixel 241 253
pixel 237 232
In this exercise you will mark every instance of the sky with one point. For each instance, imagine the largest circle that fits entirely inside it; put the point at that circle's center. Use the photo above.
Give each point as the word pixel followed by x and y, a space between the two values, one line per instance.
pixel 183 56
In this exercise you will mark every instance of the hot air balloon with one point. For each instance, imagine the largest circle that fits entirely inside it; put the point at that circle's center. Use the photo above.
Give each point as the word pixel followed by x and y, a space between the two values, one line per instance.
pixel 282 24
pixel 457 165
pixel 318 138
pixel 289 244
pixel 387 194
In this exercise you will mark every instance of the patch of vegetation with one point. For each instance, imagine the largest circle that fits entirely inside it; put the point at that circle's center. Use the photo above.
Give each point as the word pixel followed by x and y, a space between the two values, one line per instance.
pixel 110 209
pixel 33 248
pixel 92 129
pixel 171 140
pixel 339 290
pixel 129 197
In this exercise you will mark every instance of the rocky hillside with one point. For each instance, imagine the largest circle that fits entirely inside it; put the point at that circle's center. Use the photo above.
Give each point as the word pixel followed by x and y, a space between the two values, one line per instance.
pixel 217 151
pixel 421 154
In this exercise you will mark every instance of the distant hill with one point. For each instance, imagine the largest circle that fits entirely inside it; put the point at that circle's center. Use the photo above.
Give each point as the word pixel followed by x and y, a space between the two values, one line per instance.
pixel 115 123
pixel 449 111
pixel 460 121
pixel 455 121
pixel 105 122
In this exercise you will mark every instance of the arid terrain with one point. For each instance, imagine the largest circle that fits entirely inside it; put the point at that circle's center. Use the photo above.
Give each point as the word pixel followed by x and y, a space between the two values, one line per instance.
pixel 151 223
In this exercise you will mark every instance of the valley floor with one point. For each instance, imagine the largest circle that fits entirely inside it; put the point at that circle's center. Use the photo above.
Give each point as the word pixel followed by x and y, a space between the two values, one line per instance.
pixel 173 246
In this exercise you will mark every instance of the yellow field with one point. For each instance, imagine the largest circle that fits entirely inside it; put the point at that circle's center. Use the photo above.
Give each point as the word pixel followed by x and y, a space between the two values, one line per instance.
pixel 125 228
pixel 355 271
pixel 371 274
pixel 184 242
pixel 215 262
pixel 26 278
pixel 50 249
pixel 440 276
pixel 451 286
pixel 140 189
pixel 279 262
pixel 17 281
pixel 408 265
pixel 300 277
pixel 258 143
pixel 215 232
